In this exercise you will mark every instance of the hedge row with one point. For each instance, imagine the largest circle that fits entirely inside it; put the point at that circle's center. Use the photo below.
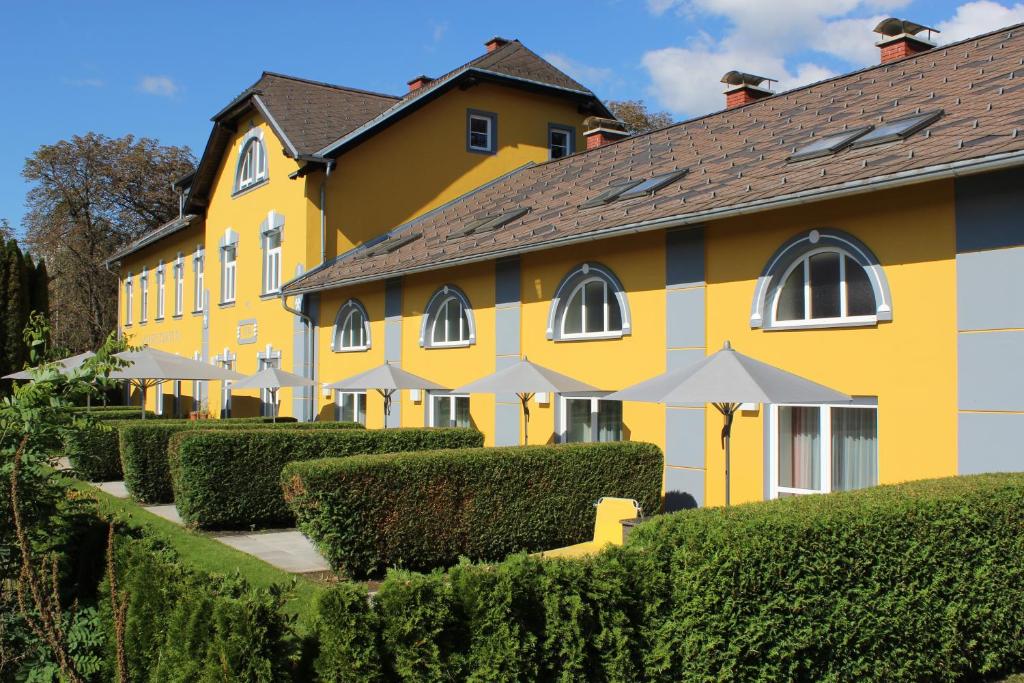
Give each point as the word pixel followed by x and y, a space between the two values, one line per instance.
pixel 425 510
pixel 94 451
pixel 231 479
pixel 143 450
pixel 184 626
pixel 916 582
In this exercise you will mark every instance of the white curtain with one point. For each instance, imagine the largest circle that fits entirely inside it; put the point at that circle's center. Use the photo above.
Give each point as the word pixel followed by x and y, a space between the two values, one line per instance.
pixel 800 447
pixel 854 448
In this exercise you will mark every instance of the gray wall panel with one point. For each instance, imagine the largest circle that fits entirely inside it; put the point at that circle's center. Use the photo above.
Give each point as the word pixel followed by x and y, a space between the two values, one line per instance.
pixel 991 442
pixel 991 372
pixel 685 318
pixel 684 489
pixel 507 417
pixel 989 288
pixel 684 252
pixel 506 286
pixel 506 324
pixel 684 437
pixel 988 210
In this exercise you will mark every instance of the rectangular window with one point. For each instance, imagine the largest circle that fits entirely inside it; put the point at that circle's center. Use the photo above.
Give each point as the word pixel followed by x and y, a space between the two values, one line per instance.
pixel 267 398
pixel 228 262
pixel 198 266
pixel 591 419
pixel 818 449
pixel 179 286
pixel 560 142
pixel 158 394
pixel 481 132
pixel 129 300
pixel 272 262
pixel 161 291
pixel 351 406
pixel 225 389
pixel 449 410
pixel 144 291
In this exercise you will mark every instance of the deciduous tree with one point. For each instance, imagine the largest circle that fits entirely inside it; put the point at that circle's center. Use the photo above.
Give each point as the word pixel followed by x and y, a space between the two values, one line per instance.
pixel 638 119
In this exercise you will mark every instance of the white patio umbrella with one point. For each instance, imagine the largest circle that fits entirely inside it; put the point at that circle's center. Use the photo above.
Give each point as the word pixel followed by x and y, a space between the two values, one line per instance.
pixel 727 379
pixel 66 364
pixel 148 367
pixel 525 379
pixel 386 380
pixel 273 379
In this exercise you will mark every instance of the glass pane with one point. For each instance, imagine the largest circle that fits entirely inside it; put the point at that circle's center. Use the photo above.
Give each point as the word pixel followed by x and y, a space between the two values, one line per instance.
pixel 274 239
pixel 609 420
pixel 860 298
pixel 462 411
pixel 577 420
pixel 361 415
pixel 456 321
pixel 479 125
pixel 594 299
pixel 800 447
pixel 614 314
pixel 347 405
pixel 854 448
pixel 573 323
pixel 791 298
pixel 439 336
pixel 441 411
pixel 825 285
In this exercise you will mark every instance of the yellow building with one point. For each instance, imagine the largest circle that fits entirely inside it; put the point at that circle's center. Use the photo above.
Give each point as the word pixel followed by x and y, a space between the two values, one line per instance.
pixel 862 232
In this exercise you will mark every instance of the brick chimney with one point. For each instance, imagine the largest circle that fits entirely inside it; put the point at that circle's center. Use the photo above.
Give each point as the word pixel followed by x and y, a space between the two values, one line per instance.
pixel 900 39
pixel 600 131
pixel 495 42
pixel 419 82
pixel 745 88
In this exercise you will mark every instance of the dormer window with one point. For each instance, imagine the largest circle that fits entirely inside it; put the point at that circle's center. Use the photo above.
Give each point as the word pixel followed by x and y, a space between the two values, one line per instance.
pixel 481 132
pixel 560 141
pixel 252 162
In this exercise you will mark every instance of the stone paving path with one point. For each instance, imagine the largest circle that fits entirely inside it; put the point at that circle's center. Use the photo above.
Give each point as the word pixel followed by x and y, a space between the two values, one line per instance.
pixel 286 549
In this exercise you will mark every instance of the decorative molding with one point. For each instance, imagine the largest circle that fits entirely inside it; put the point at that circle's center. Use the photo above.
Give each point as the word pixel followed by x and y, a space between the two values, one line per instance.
pixel 248 331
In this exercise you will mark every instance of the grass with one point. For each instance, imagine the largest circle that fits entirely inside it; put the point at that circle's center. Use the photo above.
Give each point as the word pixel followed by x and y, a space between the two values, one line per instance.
pixel 209 555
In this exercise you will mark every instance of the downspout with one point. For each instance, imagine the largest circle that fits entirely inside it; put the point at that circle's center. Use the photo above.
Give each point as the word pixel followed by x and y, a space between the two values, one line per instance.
pixel 323 212
pixel 310 348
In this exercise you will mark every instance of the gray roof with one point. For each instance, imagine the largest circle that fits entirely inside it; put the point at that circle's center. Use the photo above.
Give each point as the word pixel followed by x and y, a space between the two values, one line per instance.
pixel 172 226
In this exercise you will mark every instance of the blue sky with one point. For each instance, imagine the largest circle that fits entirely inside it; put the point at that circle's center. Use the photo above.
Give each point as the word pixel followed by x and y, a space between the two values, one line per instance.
pixel 162 69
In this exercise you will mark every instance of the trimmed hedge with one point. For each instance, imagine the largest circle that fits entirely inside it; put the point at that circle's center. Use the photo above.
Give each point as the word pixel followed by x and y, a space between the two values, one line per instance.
pixel 425 510
pixel 231 479
pixel 915 582
pixel 143 449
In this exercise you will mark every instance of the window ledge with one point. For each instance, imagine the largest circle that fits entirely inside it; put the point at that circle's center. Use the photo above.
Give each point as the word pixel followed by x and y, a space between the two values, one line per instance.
pixel 454 345
pixel 177 316
pixel 158 319
pixel 351 349
pixel 823 324
pixel 603 336
pixel 475 150
pixel 226 304
pixel 249 188
pixel 267 296
pixel 198 312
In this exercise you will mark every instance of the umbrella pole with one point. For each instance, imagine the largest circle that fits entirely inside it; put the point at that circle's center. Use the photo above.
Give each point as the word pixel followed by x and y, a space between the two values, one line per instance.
pixel 728 411
pixel 525 399
pixel 142 390
pixel 386 393
pixel 273 405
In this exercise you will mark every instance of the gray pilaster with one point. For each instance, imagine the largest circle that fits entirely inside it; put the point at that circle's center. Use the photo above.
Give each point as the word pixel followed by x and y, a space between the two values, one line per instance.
pixel 393 340
pixel 507 332
pixel 685 344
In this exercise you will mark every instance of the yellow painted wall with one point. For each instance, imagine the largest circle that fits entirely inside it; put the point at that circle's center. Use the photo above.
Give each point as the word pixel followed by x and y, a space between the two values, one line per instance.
pixel 421 162
pixel 908 363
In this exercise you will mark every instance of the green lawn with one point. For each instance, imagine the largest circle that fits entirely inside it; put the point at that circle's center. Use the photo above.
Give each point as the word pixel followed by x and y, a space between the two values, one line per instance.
pixel 207 554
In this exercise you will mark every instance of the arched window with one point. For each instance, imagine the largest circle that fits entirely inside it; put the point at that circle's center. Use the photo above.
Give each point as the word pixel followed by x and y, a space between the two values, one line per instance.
pixel 448 320
pixel 351 328
pixel 252 161
pixel 590 303
pixel 823 278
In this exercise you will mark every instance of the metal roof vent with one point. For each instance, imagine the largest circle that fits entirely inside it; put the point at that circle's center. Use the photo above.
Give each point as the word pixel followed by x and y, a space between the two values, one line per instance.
pixel 901 39
pixel 744 88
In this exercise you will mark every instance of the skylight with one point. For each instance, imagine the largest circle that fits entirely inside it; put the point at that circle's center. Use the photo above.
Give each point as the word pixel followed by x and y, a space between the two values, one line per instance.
pixel 488 223
pixel 829 144
pixel 652 185
pixel 898 129
pixel 392 243
pixel 611 194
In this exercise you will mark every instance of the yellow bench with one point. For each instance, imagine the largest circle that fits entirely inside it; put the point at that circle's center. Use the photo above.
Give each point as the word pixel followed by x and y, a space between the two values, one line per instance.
pixel 611 512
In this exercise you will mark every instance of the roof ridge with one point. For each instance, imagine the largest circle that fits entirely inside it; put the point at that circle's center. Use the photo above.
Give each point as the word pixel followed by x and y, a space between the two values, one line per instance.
pixel 324 84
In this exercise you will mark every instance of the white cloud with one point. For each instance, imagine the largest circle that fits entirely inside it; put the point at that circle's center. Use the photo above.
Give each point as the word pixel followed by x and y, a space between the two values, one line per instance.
pixel 589 76
pixel 162 86
pixel 977 17
pixel 438 31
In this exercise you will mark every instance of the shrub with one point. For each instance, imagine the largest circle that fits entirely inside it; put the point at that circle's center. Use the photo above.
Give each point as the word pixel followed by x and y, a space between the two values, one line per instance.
pixel 143 449
pixel 424 510
pixel 183 625
pixel 93 453
pixel 231 478
pixel 915 582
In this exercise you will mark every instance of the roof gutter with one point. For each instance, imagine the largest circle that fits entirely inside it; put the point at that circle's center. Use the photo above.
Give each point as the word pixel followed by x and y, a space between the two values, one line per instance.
pixel 856 187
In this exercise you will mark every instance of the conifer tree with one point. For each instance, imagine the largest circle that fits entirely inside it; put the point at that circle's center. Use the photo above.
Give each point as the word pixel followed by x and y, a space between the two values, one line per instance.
pixel 39 289
pixel 16 306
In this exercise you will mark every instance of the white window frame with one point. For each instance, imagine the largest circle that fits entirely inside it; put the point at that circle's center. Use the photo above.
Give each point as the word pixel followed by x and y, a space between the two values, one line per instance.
pixel 252 163
pixel 490 119
pixel 263 361
pixel 563 419
pixel 199 267
pixel 441 315
pixel 432 313
pixel 179 285
pixel 824 451
pixel 272 261
pixel 569 140
pixel 161 290
pixel 228 363
pixel 129 299
pixel 804 262
pixel 228 273
pixel 432 418
pixel 603 334
pixel 349 309
pixel 143 296
pixel 338 395
pixel 158 394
